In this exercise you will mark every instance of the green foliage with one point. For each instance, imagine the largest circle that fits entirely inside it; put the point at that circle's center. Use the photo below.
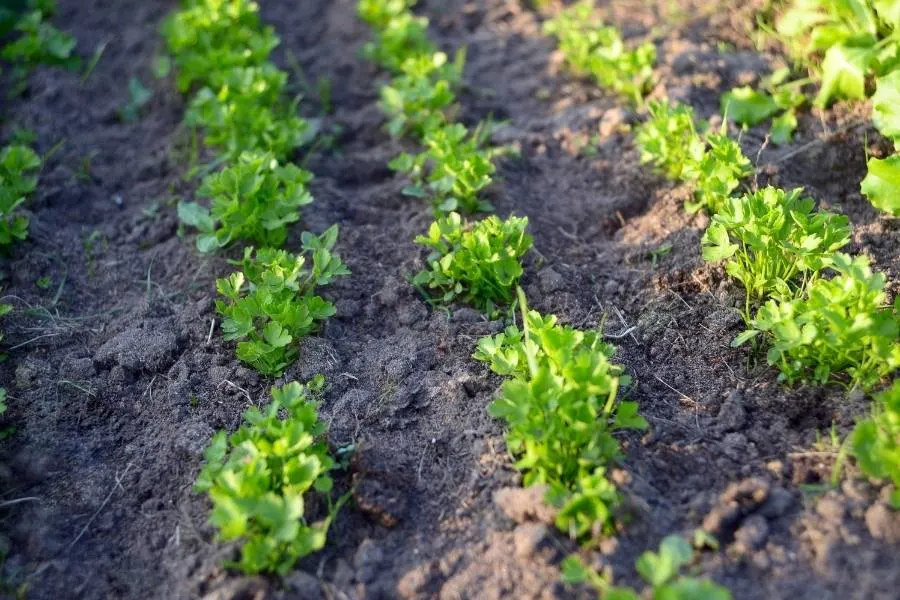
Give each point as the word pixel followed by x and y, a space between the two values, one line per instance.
pixel 716 173
pixel 773 242
pixel 380 13
pixel 247 113
pixel 208 38
pixel 599 52
pixel 838 330
pixel 138 97
pixel 561 409
pixel 882 184
pixel 452 170
pixel 399 34
pixel 252 200
pixel 18 179
pixel 876 441
pixel 272 304
pixel 478 264
pixel 257 477
pixel 842 42
pixel 661 571
pixel 39 43
pixel 668 139
pixel 886 106
pixel 417 99
pixel 714 164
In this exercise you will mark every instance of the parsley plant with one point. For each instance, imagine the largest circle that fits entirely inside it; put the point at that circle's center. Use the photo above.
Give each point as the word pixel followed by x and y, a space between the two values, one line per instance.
pixel 271 304
pixel 258 476
pixel 479 264
pixel 252 200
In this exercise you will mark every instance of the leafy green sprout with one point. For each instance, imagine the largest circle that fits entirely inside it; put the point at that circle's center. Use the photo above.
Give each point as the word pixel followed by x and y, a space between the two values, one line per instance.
pixel 18 180
pixel 660 570
pixel 271 304
pixel 875 442
pixel 478 263
pixel 838 330
pixel 773 242
pixel 252 200
pixel 260 477
pixel 561 408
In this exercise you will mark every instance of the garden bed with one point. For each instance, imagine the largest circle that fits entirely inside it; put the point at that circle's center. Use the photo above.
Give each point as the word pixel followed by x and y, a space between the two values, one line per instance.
pixel 118 376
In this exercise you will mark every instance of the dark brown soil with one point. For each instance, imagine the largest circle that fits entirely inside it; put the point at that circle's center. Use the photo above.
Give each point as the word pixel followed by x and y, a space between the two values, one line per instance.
pixel 116 384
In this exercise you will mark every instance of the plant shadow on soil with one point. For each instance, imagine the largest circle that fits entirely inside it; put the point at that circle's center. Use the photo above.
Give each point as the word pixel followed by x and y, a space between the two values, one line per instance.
pixel 119 383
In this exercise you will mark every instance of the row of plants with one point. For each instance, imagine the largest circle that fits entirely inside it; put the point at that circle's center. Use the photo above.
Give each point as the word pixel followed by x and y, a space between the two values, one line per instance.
pixel 778 246
pixel 836 49
pixel 33 41
pixel 260 478
pixel 475 262
pixel 560 400
pixel 824 315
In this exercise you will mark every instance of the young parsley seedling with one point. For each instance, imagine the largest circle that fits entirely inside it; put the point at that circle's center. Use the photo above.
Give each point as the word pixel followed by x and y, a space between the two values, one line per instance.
pixel 600 52
pixel 452 170
pixel 258 476
pixel 477 263
pixel 661 571
pixel 773 242
pixel 876 441
pixel 252 200
pixel 18 180
pixel 271 305
pixel 561 407
pixel 208 38
pixel 839 329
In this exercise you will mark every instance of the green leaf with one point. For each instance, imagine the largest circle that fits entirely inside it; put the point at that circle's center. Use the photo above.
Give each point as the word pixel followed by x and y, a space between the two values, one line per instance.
pixel 783 127
pixel 882 184
pixel 844 74
pixel 886 104
pixel 748 106
pixel 194 215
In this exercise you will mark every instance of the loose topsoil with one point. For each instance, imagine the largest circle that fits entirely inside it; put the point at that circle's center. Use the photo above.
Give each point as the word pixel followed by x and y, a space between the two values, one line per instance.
pixel 118 376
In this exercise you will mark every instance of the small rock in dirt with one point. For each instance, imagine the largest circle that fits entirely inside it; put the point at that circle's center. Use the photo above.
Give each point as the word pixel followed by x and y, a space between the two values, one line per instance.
pixel 192 438
pixel 734 446
pixel 26 376
pixel 779 502
pixel 343 574
pixel 750 492
pixel 528 538
pixel 417 582
pixel 367 560
pixel 245 588
pixel 219 374
pixel 466 315
pixel 732 415
pixel 398 368
pixel 550 281
pixel 151 349
pixel 722 519
pixel 752 534
pixel 525 504
pixel 413 315
pixel 831 509
pixel 610 288
pixel 77 369
pixel 723 319
pixel 612 120
pixel 883 523
pixel 380 501
pixel 303 585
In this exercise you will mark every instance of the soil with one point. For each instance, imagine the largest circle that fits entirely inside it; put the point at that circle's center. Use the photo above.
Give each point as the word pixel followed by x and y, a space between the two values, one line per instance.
pixel 117 376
